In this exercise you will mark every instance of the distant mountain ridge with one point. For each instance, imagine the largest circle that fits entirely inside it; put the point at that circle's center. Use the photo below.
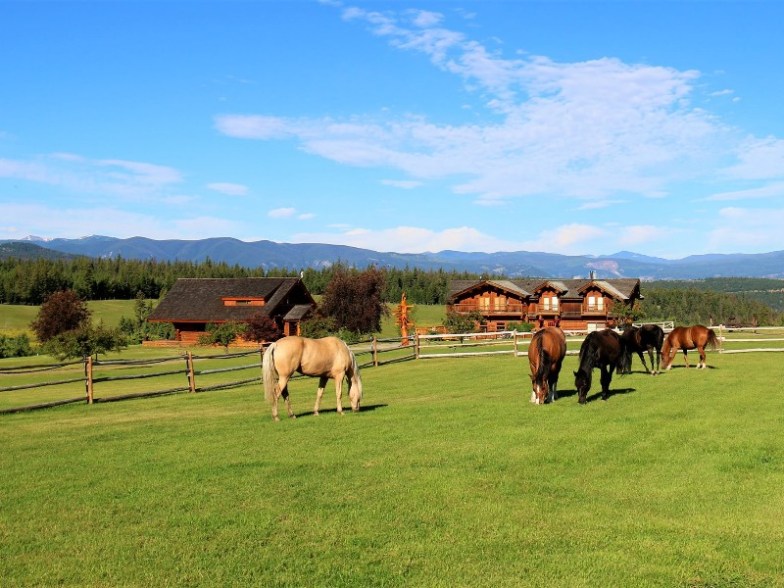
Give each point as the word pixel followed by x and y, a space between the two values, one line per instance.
pixel 512 264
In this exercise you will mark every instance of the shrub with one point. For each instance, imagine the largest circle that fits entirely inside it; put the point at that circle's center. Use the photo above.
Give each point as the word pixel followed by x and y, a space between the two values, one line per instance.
pixel 18 346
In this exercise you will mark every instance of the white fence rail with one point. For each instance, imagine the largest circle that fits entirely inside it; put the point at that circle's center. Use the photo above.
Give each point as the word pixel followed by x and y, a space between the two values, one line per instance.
pixel 731 340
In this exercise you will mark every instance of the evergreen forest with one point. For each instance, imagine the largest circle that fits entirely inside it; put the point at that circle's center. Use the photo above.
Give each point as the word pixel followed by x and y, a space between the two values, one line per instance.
pixel 731 301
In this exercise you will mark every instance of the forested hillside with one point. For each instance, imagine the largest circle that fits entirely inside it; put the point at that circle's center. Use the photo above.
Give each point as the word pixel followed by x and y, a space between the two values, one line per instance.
pixel 740 301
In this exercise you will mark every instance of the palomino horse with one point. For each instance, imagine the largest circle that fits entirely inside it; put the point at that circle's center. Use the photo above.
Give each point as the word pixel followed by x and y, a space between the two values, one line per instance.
pixel 685 338
pixel 324 358
pixel 603 349
pixel 648 338
pixel 545 356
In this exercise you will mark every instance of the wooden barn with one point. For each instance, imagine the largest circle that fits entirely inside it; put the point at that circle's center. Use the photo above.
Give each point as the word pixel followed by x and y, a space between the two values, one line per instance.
pixel 578 304
pixel 194 303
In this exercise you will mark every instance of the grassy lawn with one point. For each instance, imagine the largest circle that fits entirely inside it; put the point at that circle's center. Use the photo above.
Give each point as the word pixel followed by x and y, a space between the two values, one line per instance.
pixel 448 477
pixel 15 319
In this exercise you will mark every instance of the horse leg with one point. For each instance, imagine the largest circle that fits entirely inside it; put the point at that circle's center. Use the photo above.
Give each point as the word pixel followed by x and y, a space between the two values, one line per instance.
pixel 702 364
pixel 685 358
pixel 642 359
pixel 282 389
pixel 607 372
pixel 339 392
pixel 655 355
pixel 319 393
pixel 650 357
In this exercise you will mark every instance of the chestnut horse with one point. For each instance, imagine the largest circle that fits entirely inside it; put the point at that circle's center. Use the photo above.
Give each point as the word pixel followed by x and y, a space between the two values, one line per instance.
pixel 324 358
pixel 603 349
pixel 685 338
pixel 648 338
pixel 545 356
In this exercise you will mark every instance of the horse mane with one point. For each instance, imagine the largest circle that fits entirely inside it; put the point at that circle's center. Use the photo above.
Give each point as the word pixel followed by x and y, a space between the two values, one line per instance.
pixel 354 369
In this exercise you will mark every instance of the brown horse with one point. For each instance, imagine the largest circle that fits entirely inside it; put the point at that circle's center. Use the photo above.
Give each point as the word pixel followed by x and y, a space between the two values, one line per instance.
pixel 685 338
pixel 545 356
pixel 324 358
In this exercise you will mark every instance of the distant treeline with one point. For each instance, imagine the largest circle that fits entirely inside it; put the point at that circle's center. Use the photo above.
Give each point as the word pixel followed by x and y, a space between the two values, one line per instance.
pixel 25 281
pixel 739 301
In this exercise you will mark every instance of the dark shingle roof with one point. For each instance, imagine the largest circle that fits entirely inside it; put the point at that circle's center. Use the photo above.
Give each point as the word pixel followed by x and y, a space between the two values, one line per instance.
pixel 200 299
pixel 621 288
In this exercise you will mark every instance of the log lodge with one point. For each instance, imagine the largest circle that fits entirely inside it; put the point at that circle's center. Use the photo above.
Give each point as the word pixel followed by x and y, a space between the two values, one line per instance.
pixel 572 304
pixel 194 303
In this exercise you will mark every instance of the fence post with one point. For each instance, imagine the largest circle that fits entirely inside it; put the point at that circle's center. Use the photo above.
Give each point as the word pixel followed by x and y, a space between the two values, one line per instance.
pixel 375 351
pixel 88 377
pixel 515 343
pixel 191 374
pixel 416 345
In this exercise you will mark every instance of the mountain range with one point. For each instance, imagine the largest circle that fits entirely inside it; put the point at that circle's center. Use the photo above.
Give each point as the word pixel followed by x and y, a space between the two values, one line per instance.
pixel 513 264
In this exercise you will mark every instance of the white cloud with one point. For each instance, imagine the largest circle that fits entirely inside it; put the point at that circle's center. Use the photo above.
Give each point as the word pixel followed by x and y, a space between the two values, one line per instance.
pixel 228 188
pixel 403 184
pixel 635 235
pixel 772 190
pixel 128 179
pixel 251 127
pixel 747 229
pixel 589 129
pixel 408 239
pixel 282 212
pixel 759 159
pixel 72 222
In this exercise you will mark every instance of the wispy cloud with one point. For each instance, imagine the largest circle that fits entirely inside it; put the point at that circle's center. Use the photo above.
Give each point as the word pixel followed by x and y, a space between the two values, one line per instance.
pixel 772 190
pixel 228 188
pixel 587 129
pixel 132 179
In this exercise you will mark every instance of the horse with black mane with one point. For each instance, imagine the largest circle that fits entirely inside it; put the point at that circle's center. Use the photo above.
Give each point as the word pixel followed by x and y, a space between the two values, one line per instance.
pixel 648 338
pixel 684 338
pixel 545 356
pixel 603 349
pixel 324 358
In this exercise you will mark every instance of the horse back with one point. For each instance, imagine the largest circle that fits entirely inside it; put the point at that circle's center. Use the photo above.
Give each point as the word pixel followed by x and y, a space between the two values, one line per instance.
pixel 328 356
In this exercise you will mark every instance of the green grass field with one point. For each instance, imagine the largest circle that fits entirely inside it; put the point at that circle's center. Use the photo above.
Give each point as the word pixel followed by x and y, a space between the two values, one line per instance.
pixel 448 477
pixel 15 319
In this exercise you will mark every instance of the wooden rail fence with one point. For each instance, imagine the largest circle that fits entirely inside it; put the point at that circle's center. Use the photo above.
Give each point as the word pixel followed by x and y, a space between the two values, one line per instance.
pixel 202 373
pixel 113 380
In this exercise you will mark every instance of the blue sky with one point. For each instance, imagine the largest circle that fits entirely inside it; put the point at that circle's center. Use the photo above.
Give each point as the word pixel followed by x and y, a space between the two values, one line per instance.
pixel 572 127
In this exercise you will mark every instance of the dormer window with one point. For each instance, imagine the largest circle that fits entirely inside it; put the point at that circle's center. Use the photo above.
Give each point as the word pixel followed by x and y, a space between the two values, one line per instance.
pixel 242 301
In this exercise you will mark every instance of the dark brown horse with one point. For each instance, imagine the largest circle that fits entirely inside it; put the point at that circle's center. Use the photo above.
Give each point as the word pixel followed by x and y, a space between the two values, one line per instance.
pixel 545 356
pixel 685 338
pixel 603 349
pixel 648 338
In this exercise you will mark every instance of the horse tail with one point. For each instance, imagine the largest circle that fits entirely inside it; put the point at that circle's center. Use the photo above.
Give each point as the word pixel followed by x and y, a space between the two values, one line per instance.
pixel 713 340
pixel 544 364
pixel 625 360
pixel 269 373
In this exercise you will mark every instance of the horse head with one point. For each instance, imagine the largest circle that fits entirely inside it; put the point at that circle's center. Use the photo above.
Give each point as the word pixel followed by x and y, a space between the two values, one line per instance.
pixel 582 381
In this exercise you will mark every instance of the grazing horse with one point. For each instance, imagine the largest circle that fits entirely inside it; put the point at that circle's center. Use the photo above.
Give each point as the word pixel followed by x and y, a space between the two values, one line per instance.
pixel 324 358
pixel 603 349
pixel 685 338
pixel 648 338
pixel 545 356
